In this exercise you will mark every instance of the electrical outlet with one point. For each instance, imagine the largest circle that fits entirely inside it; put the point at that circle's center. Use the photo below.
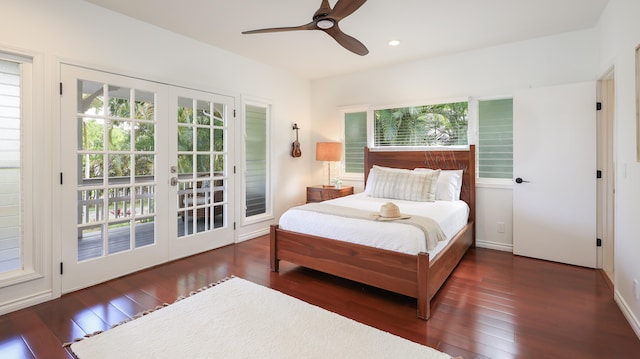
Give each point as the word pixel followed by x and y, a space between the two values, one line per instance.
pixel 500 227
pixel 636 290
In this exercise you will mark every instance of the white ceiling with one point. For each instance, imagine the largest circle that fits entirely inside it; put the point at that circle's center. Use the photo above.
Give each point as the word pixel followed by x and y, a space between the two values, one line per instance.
pixel 426 28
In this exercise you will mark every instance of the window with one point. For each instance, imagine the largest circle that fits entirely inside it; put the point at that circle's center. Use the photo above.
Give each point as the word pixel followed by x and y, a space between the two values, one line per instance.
pixel 428 125
pixel 256 152
pixel 495 138
pixel 10 171
pixel 16 233
pixel 355 139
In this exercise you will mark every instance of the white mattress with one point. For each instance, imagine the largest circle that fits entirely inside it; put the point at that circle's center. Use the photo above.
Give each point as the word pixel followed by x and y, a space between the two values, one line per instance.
pixel 452 216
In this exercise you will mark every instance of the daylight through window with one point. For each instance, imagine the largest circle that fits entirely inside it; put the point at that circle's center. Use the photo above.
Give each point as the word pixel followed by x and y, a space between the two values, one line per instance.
pixel 429 125
pixel 10 167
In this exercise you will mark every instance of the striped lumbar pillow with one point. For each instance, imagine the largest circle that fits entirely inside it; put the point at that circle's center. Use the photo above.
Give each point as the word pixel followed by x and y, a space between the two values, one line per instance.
pixel 402 184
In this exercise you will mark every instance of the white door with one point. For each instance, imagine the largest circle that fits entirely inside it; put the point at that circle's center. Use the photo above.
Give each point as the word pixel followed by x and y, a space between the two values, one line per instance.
pixel 114 175
pixel 202 181
pixel 147 174
pixel 554 197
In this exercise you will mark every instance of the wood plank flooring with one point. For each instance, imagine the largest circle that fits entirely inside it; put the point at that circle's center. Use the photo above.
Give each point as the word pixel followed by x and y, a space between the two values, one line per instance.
pixel 495 305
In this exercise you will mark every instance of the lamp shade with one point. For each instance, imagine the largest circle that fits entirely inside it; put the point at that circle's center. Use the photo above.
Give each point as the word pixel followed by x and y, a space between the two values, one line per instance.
pixel 328 151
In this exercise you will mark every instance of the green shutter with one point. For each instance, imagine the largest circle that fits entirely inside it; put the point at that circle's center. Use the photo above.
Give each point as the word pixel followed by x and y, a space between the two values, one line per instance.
pixel 256 160
pixel 355 130
pixel 495 139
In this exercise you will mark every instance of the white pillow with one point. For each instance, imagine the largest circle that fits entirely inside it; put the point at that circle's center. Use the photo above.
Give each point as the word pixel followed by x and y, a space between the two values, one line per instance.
pixel 449 184
pixel 402 184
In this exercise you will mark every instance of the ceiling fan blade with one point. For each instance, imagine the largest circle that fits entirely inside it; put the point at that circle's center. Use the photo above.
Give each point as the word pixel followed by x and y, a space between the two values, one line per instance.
pixel 344 8
pixel 309 26
pixel 323 11
pixel 348 42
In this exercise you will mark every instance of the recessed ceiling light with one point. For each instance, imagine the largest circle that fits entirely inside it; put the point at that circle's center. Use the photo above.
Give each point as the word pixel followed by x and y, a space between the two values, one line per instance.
pixel 393 43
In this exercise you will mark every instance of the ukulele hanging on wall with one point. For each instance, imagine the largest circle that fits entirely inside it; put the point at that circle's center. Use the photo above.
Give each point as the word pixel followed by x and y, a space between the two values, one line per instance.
pixel 295 146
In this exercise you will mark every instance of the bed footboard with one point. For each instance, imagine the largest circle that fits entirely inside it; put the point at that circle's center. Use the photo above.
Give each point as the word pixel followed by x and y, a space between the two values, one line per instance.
pixel 384 269
pixel 411 275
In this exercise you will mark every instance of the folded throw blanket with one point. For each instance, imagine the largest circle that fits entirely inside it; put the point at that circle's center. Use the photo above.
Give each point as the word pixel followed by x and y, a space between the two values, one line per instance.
pixel 432 231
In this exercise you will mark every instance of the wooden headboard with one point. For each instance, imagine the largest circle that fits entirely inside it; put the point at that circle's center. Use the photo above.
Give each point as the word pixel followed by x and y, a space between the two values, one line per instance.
pixel 447 160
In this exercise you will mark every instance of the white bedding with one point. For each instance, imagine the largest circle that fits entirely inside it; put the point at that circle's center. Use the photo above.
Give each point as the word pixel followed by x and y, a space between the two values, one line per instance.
pixel 451 215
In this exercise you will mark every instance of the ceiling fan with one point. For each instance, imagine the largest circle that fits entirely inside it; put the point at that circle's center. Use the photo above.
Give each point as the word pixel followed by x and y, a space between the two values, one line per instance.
pixel 326 19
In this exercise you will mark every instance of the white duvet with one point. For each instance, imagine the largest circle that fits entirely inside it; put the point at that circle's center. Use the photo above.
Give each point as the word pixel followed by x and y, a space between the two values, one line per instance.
pixel 452 216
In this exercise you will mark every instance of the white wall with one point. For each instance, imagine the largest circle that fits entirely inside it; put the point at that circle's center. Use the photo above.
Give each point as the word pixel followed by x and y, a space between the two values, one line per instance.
pixel 619 31
pixel 78 32
pixel 495 71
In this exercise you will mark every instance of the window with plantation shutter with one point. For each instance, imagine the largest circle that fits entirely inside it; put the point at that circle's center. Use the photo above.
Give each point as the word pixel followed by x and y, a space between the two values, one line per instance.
pixel 495 138
pixel 256 160
pixel 10 167
pixel 355 139
pixel 17 247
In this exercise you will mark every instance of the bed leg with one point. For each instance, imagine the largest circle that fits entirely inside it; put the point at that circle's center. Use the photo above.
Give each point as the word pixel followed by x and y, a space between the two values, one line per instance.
pixel 275 262
pixel 424 304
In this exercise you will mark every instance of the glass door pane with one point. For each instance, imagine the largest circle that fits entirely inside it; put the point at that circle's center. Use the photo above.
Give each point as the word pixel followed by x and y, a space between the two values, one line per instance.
pixel 116 160
pixel 201 175
pixel 115 177
pixel 202 172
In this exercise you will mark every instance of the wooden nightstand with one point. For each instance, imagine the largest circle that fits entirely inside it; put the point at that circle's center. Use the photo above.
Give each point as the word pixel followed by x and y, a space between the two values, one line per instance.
pixel 322 193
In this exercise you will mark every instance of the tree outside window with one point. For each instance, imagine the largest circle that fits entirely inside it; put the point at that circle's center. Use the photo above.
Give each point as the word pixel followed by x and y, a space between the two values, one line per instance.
pixel 428 125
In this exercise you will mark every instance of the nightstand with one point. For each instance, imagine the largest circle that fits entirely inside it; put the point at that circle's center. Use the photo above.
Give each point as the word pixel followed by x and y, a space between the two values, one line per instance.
pixel 322 193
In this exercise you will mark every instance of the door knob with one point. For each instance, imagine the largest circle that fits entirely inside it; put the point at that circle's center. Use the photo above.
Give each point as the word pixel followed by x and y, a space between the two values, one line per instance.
pixel 520 180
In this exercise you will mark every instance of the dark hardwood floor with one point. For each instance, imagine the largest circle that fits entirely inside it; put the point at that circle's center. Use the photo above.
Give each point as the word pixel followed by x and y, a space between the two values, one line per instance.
pixel 495 305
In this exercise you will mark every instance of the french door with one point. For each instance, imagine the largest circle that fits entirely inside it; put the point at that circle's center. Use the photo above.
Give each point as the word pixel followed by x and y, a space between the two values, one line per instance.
pixel 201 171
pixel 144 177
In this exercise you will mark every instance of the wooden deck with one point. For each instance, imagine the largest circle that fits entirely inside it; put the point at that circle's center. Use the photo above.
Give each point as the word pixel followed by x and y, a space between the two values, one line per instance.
pixel 92 246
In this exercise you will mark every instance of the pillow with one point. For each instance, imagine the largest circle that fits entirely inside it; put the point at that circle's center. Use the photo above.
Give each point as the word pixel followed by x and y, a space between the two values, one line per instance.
pixel 402 184
pixel 372 175
pixel 449 184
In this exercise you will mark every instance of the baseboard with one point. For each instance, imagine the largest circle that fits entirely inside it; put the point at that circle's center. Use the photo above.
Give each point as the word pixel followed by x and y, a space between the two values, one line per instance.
pixel 252 235
pixel 25 302
pixel 626 311
pixel 494 245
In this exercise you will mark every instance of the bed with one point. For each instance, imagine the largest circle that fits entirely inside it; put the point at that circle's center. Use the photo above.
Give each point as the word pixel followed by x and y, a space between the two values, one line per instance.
pixel 417 275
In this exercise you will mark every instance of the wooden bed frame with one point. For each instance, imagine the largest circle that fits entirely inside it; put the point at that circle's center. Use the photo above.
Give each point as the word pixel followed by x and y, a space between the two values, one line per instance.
pixel 416 276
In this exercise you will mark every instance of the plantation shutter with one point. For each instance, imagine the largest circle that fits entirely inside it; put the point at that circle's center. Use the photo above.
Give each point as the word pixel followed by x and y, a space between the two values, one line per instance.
pixel 10 166
pixel 495 138
pixel 355 130
pixel 256 160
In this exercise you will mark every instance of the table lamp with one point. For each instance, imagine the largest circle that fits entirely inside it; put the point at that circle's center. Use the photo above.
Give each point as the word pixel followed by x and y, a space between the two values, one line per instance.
pixel 329 152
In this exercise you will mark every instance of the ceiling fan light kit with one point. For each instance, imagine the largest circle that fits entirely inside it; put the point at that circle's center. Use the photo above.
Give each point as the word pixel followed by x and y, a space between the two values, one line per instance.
pixel 326 19
pixel 325 24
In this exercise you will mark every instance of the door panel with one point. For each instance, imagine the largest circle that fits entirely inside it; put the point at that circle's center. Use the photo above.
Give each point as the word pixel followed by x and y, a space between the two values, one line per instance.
pixel 554 208
pixel 112 176
pixel 202 171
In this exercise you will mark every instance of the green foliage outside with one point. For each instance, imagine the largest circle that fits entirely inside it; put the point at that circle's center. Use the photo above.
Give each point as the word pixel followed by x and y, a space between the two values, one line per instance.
pixel 118 137
pixel 204 148
pixel 429 125
pixel 120 133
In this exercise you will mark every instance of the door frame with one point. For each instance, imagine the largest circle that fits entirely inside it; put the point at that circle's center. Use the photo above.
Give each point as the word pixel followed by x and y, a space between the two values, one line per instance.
pixel 606 164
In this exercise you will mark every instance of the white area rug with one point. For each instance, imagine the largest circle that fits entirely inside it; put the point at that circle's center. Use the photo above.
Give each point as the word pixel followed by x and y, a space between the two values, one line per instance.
pixel 239 319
